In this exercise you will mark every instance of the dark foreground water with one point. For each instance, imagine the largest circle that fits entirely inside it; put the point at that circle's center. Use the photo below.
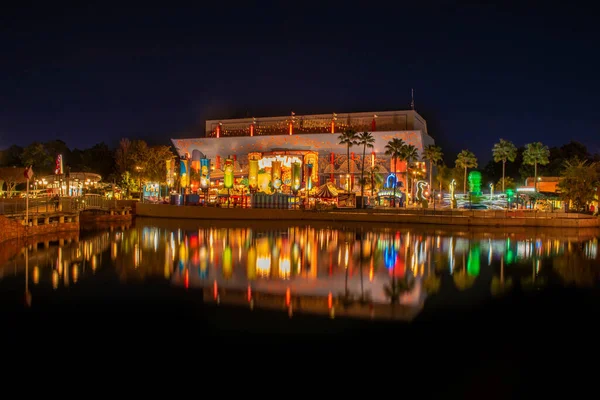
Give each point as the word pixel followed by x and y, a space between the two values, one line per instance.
pixel 323 263
pixel 503 302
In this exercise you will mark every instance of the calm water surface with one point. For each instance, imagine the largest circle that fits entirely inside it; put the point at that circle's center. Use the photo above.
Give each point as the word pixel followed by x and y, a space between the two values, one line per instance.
pixel 454 266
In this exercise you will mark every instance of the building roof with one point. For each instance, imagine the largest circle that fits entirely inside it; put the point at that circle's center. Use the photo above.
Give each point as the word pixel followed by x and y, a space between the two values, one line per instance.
pixel 401 120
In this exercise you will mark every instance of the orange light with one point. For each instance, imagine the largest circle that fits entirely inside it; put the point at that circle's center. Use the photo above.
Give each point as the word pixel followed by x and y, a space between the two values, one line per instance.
pixel 249 293
pixel 371 271
pixel 187 279
pixel 291 128
pixel 332 126
pixel 252 130
pixel 218 130
pixel 330 300
pixel 288 297
pixel 215 290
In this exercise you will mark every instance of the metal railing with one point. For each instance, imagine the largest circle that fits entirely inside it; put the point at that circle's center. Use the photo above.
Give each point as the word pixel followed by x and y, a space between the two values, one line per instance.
pixel 86 202
pixel 11 207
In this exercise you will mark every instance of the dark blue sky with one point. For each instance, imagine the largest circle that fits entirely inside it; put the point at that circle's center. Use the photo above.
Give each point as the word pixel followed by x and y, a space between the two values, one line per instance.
pixel 91 73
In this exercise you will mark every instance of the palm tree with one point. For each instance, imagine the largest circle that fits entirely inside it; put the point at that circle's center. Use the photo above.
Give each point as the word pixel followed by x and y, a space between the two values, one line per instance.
pixel 408 153
pixel 394 149
pixel 348 138
pixel 365 139
pixel 504 151
pixel 534 154
pixel 443 176
pixel 466 159
pixel 434 155
pixel 373 170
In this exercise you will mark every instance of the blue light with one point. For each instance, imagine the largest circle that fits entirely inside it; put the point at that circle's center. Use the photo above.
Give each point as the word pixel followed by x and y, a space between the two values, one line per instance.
pixel 387 181
pixel 389 256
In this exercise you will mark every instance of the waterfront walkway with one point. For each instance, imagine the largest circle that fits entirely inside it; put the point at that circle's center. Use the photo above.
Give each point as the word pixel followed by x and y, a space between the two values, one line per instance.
pixel 490 218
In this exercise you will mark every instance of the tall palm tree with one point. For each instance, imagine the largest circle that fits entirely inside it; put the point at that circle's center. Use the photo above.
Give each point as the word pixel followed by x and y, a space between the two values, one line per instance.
pixel 408 154
pixel 466 159
pixel 534 154
pixel 434 155
pixel 504 151
pixel 350 139
pixel 394 149
pixel 365 139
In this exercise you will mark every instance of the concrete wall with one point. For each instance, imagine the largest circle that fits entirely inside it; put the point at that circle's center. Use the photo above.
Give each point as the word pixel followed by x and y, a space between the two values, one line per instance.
pixel 471 218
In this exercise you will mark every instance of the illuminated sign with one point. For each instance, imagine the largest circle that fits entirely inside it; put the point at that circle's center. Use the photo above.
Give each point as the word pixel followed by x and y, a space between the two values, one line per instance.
pixel 286 161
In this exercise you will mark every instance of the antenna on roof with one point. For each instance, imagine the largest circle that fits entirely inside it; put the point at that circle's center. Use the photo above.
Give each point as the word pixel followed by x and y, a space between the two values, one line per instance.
pixel 412 97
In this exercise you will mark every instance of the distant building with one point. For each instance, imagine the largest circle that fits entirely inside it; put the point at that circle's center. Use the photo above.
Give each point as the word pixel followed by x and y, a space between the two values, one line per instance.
pixel 71 184
pixel 545 184
pixel 311 139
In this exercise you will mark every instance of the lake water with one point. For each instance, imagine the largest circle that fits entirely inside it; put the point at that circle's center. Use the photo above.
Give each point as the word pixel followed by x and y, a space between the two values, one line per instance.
pixel 455 266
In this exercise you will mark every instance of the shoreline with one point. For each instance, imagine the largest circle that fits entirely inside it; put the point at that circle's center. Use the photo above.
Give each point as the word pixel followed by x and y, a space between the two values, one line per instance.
pixel 470 218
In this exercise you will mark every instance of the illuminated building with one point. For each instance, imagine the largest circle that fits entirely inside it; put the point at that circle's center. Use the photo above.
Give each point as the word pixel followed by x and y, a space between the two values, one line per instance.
pixel 71 184
pixel 310 140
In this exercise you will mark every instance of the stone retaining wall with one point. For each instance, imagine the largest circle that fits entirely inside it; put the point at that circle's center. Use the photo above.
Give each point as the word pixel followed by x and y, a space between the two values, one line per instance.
pixel 388 216
pixel 13 229
pixel 10 229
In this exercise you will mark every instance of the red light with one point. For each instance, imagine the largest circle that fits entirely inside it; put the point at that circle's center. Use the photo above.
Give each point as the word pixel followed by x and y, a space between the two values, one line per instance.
pixel 288 297
pixel 249 293
pixel 215 290
pixel 187 279
pixel 330 300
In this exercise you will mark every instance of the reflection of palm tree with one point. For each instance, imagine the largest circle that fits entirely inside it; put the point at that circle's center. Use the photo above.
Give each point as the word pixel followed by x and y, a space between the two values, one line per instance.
pixel 500 285
pixel 346 296
pixel 462 280
pixel 362 289
pixel 364 297
pixel 396 288
pixel 432 282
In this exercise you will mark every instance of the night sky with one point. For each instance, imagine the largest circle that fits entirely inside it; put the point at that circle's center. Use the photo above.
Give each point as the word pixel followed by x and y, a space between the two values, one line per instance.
pixel 91 74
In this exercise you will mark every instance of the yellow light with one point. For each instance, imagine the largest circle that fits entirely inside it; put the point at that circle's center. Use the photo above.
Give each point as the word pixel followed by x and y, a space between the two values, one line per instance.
pixel 36 274
pixel 263 265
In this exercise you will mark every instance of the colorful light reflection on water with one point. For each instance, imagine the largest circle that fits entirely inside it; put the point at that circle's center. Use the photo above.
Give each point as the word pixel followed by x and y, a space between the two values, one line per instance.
pixel 309 260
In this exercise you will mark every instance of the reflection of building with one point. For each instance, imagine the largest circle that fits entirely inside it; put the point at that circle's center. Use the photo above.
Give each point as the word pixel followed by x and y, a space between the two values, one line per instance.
pixel 300 135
